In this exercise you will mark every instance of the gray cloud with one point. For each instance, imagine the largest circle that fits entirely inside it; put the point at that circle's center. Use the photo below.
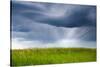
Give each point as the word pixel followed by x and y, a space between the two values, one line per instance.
pixel 57 14
pixel 47 23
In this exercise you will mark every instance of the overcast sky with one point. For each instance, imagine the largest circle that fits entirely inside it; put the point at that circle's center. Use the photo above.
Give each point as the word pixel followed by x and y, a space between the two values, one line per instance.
pixel 37 24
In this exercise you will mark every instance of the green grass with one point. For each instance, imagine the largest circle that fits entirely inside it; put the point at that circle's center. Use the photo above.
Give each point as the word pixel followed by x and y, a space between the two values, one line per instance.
pixel 40 56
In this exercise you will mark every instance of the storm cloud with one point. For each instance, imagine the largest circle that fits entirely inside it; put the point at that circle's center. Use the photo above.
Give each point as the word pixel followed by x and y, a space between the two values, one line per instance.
pixel 57 14
pixel 48 23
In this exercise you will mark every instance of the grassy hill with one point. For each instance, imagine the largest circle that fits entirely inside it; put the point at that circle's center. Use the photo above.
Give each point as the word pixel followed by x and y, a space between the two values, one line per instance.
pixel 40 56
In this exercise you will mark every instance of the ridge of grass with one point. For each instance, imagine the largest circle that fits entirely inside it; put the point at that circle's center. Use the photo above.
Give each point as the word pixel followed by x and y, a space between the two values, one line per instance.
pixel 41 56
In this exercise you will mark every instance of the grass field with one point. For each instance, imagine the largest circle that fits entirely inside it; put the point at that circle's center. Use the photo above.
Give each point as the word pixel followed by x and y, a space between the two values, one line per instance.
pixel 40 56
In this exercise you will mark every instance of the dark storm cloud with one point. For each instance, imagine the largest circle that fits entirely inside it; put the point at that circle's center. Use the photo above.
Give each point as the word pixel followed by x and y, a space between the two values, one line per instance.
pixel 53 14
pixel 49 22
pixel 79 17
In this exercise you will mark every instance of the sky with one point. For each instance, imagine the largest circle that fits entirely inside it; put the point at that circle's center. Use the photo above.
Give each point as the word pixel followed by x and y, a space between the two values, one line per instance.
pixel 41 25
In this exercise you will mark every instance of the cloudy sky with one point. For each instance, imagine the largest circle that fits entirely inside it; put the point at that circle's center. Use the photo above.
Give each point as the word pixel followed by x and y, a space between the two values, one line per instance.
pixel 38 24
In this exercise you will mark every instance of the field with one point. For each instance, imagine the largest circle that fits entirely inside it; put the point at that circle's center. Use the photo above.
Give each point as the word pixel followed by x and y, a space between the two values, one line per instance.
pixel 41 56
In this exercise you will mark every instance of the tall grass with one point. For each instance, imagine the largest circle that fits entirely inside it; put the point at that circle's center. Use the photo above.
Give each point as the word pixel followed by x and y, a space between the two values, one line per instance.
pixel 39 56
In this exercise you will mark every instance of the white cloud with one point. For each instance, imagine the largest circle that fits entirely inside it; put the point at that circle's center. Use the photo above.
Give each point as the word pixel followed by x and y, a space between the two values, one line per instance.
pixel 16 44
